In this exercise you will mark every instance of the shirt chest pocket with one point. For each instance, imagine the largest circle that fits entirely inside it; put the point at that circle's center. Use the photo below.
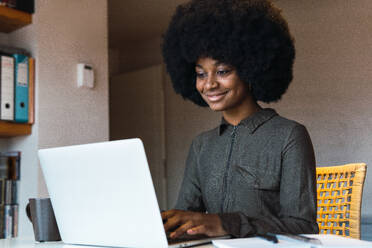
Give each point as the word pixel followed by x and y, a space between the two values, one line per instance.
pixel 257 178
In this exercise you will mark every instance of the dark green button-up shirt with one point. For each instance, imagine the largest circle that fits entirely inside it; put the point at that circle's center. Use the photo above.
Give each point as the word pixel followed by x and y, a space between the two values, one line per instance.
pixel 259 176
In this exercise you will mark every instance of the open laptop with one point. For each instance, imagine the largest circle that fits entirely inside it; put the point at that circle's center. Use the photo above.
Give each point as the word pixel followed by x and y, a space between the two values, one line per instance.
pixel 102 194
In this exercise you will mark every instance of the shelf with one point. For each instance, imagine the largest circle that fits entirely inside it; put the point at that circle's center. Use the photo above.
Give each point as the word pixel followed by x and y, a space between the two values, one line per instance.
pixel 10 129
pixel 12 19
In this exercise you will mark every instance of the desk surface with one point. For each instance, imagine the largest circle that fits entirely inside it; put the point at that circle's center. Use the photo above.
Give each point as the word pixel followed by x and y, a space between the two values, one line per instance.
pixel 30 243
pixel 27 243
pixel 327 241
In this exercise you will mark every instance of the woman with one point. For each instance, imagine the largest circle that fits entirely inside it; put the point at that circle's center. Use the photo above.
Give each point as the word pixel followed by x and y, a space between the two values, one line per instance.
pixel 255 172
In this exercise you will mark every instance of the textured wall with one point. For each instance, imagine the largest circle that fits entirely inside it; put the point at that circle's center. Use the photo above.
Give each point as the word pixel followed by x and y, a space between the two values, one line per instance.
pixel 67 114
pixel 63 34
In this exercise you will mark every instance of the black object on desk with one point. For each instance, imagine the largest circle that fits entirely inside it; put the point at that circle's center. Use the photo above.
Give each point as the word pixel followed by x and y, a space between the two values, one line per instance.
pixel 269 237
pixel 40 212
pixel 302 238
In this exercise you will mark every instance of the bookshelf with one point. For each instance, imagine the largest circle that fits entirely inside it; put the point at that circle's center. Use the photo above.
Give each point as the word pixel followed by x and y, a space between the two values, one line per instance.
pixel 10 129
pixel 11 20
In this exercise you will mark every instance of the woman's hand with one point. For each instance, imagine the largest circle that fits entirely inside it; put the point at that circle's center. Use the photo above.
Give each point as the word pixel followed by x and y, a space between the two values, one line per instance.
pixel 192 223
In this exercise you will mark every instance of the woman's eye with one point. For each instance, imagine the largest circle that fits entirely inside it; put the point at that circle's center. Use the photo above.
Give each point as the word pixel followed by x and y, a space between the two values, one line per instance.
pixel 223 72
pixel 201 74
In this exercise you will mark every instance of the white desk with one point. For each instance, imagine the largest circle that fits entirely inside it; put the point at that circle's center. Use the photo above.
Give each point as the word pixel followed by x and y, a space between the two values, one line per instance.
pixel 30 243
pixel 328 242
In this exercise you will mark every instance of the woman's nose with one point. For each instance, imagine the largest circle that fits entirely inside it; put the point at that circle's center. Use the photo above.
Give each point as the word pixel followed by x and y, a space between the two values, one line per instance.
pixel 210 82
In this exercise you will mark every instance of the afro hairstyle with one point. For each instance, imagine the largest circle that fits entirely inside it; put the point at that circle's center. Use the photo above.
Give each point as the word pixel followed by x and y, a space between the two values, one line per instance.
pixel 250 35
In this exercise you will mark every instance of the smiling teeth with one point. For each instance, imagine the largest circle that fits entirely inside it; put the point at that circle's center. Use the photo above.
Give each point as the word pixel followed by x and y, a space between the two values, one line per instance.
pixel 217 97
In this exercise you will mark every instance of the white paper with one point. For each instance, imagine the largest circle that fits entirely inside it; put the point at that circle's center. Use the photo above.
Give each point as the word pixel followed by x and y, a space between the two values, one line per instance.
pixel 254 243
pixel 328 241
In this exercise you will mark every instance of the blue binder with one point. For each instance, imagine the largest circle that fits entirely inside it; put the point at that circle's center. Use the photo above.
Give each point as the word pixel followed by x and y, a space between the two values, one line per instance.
pixel 21 79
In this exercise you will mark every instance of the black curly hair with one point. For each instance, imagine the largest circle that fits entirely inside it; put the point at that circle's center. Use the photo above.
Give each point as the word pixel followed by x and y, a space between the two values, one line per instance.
pixel 250 35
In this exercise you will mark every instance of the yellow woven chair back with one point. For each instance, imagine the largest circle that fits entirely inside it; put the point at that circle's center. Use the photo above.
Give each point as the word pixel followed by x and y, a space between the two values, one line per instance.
pixel 339 195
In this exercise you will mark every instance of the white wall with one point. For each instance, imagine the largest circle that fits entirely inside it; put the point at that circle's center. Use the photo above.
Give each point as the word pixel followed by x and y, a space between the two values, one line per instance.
pixel 71 32
pixel 63 34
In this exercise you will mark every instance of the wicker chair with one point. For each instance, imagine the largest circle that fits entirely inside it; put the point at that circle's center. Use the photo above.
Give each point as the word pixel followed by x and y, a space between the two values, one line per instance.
pixel 339 195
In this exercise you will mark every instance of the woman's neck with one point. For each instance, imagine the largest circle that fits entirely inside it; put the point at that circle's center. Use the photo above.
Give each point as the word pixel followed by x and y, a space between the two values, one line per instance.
pixel 236 115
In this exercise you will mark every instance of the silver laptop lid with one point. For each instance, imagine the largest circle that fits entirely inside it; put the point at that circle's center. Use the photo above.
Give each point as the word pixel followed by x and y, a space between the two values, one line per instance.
pixel 102 194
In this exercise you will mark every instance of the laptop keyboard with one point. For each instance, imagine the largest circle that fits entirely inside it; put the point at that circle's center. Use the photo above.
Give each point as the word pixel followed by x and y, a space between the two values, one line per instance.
pixel 185 238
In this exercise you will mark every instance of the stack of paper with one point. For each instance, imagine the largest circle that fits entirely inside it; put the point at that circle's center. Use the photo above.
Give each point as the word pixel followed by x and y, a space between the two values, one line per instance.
pixel 328 241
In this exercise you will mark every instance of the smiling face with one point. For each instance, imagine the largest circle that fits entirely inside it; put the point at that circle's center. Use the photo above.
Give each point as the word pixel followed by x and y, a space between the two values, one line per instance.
pixel 220 86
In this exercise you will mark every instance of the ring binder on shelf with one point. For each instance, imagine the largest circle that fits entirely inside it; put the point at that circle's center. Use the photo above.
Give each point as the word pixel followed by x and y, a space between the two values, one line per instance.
pixel 21 88
pixel 6 88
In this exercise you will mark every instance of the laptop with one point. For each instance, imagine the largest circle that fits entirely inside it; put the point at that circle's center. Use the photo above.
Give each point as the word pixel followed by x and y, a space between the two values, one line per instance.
pixel 102 194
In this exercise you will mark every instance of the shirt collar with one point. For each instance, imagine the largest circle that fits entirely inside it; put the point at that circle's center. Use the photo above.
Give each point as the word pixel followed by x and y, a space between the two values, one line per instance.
pixel 251 122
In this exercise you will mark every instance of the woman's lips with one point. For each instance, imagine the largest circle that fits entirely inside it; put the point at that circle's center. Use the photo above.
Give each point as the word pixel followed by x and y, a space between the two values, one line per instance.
pixel 215 97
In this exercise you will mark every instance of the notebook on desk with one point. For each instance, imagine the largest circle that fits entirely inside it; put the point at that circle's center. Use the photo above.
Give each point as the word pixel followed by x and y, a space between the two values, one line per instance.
pixel 102 194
